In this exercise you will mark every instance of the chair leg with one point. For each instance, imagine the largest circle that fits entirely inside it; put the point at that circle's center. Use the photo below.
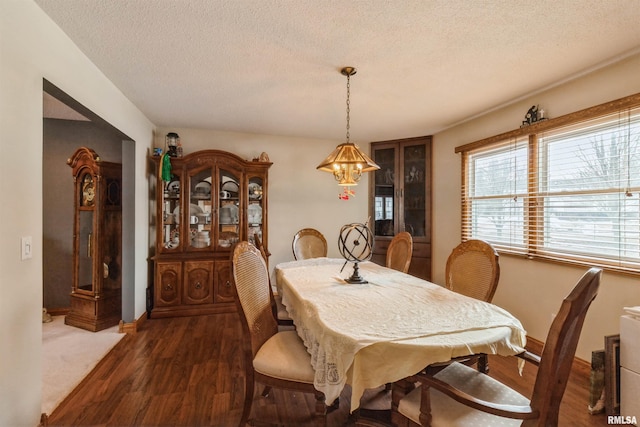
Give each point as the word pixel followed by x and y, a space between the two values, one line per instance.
pixel 335 405
pixel 248 400
pixel 321 409
pixel 483 364
pixel 399 390
pixel 425 406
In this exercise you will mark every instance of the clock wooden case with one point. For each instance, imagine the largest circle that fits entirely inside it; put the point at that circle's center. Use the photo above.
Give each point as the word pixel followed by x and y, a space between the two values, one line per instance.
pixel 210 200
pixel 96 292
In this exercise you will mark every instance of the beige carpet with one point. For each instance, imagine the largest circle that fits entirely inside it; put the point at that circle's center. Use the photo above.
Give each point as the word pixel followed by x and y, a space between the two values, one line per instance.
pixel 68 355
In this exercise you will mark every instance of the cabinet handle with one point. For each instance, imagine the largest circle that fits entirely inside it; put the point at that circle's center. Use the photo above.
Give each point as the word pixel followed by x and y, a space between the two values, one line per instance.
pixel 198 285
pixel 168 287
pixel 228 284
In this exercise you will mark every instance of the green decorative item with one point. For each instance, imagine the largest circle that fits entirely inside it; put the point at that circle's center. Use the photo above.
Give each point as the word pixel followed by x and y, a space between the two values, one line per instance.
pixel 166 168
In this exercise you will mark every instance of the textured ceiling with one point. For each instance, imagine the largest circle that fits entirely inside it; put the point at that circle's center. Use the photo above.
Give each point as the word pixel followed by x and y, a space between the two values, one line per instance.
pixel 273 66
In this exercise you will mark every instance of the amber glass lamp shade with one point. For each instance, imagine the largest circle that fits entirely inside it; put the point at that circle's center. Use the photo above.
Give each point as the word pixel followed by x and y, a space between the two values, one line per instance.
pixel 347 163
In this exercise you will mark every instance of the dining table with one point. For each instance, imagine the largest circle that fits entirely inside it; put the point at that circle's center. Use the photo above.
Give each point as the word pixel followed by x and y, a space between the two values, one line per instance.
pixel 375 333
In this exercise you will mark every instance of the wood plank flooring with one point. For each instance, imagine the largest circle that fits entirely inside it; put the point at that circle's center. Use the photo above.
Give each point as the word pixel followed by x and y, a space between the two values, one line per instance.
pixel 187 372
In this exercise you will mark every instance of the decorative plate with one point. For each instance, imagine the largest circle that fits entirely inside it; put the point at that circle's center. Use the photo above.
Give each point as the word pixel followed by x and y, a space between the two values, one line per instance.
pixel 193 210
pixel 255 191
pixel 254 212
pixel 230 186
pixel 173 187
pixel 202 189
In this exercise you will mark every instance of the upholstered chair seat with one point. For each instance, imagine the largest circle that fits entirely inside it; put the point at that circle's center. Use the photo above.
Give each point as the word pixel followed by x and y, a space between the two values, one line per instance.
pixel 284 356
pixel 470 381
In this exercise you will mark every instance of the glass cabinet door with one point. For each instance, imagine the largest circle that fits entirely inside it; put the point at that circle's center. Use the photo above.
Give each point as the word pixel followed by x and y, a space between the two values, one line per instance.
pixel 414 193
pixel 86 249
pixel 229 221
pixel 254 209
pixel 170 236
pixel 384 208
pixel 198 222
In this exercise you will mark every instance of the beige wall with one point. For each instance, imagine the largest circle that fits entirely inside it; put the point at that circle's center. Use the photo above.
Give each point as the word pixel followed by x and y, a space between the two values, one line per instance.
pixel 533 290
pixel 33 48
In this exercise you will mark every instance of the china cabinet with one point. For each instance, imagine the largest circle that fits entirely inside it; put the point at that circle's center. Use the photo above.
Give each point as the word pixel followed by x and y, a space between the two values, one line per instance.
pixel 96 293
pixel 400 199
pixel 209 200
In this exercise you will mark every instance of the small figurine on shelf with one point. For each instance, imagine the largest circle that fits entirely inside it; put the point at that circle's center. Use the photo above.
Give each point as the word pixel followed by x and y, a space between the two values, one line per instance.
pixel 172 141
pixel 531 116
pixel 534 114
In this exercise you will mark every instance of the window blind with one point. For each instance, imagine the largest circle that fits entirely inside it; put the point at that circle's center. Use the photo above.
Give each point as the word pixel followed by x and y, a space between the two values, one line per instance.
pixel 495 195
pixel 570 193
pixel 590 191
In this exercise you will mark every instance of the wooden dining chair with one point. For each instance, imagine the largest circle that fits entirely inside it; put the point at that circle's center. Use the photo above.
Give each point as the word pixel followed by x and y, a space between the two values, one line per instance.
pixel 272 358
pixel 462 396
pixel 278 308
pixel 309 243
pixel 473 270
pixel 399 252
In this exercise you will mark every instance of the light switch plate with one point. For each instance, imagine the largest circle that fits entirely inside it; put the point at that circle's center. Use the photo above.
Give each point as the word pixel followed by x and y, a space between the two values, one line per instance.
pixel 27 248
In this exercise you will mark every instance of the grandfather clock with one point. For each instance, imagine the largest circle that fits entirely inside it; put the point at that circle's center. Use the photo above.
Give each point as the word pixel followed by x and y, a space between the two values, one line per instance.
pixel 96 293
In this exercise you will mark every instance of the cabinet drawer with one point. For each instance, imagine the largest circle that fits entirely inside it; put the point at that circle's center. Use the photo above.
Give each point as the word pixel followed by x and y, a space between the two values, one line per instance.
pixel 223 282
pixel 629 392
pixel 380 246
pixel 198 282
pixel 422 250
pixel 630 343
pixel 167 285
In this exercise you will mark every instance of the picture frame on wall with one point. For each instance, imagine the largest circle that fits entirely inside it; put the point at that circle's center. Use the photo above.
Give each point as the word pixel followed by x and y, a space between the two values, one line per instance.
pixel 612 373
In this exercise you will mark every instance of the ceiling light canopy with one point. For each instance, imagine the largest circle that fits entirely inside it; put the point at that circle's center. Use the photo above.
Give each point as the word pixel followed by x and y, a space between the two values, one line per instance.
pixel 347 162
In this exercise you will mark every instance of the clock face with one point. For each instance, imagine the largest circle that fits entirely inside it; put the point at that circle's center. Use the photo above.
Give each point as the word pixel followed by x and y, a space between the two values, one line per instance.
pixel 88 191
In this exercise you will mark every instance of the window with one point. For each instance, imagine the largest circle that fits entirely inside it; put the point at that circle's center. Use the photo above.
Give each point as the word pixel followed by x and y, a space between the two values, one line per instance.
pixel 497 188
pixel 383 207
pixel 567 190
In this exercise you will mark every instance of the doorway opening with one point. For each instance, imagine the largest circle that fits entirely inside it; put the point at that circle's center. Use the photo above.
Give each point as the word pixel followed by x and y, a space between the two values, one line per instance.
pixel 67 125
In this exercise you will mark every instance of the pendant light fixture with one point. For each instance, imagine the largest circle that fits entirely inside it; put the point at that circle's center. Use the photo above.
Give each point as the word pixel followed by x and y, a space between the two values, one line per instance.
pixel 347 162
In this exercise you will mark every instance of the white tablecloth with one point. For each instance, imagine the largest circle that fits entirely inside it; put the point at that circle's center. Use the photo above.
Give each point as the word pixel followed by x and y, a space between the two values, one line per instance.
pixel 371 334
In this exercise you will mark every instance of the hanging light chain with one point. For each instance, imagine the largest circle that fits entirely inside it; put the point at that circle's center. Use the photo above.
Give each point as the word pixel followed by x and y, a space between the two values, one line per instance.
pixel 347 162
pixel 348 102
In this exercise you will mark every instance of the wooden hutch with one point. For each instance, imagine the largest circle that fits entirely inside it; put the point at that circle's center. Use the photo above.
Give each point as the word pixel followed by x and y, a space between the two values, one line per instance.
pixel 211 200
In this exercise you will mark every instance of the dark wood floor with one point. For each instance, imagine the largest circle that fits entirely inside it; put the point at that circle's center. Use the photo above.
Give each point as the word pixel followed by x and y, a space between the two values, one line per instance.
pixel 188 372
